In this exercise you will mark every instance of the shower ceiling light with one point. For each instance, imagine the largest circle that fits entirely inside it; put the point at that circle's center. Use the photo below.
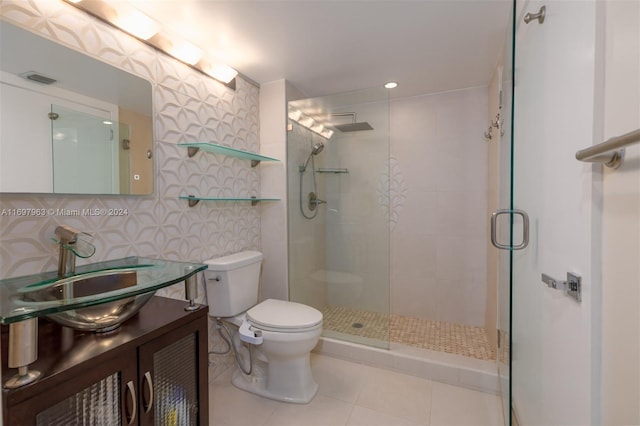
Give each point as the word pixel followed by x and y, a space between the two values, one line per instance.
pixel 327 133
pixel 309 123
pixel 124 16
pixel 306 122
pixel 391 85
pixel 295 114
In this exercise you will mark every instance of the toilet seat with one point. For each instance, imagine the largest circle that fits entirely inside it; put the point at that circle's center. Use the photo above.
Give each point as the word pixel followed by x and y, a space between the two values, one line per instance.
pixel 284 317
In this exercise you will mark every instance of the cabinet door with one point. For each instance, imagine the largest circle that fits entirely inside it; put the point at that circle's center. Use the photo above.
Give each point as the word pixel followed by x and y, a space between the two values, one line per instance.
pixel 104 395
pixel 172 373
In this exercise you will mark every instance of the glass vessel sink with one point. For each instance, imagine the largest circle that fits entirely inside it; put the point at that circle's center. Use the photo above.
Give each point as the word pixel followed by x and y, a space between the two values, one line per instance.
pixel 99 297
pixel 102 317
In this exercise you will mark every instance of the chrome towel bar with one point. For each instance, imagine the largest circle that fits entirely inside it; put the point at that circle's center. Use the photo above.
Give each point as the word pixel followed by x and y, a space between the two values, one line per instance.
pixel 602 153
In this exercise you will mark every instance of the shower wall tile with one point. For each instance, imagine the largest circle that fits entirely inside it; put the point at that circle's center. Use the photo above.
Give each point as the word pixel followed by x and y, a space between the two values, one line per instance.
pixel 187 107
pixel 415 293
pixel 462 213
pixel 438 242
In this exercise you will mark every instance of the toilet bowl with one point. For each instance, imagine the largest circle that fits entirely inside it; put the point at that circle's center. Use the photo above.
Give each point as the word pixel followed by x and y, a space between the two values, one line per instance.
pixel 286 345
pixel 282 333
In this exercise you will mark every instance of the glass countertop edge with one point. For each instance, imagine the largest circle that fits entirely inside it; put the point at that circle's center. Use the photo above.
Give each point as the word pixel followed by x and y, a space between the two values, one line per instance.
pixel 221 149
pixel 85 301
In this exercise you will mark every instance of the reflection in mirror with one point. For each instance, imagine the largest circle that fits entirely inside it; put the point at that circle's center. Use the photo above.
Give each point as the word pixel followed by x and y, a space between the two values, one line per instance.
pixel 70 124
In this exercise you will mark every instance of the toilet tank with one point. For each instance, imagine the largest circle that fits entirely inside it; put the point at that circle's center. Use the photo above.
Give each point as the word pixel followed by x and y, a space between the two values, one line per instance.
pixel 231 283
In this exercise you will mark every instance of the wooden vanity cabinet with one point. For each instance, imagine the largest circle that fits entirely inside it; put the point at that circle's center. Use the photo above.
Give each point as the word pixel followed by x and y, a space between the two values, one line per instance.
pixel 152 371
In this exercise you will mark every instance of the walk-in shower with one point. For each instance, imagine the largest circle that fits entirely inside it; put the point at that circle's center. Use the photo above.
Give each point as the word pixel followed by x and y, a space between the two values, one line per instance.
pixel 376 259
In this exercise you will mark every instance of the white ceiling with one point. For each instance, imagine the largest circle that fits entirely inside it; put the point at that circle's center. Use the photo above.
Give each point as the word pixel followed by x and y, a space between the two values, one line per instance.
pixel 325 47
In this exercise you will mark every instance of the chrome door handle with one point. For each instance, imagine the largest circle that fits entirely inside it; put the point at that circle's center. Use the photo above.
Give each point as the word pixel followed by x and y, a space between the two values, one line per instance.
pixel 525 229
pixel 132 392
pixel 149 382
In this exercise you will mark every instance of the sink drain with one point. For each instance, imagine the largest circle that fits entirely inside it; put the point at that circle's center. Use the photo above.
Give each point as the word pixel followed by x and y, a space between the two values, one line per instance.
pixel 357 325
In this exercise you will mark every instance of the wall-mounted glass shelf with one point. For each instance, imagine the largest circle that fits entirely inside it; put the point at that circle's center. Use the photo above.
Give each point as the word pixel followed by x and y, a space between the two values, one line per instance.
pixel 194 147
pixel 193 200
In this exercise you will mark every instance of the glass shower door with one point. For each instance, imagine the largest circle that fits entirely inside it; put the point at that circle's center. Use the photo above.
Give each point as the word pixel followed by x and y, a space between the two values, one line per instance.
pixel 552 332
pixel 339 249
pixel 503 162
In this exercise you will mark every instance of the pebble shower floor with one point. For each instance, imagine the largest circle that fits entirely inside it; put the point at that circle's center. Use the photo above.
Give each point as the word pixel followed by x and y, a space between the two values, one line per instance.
pixel 423 333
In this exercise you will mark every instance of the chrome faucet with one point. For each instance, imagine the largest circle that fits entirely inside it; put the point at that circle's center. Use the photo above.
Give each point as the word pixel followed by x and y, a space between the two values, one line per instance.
pixel 67 237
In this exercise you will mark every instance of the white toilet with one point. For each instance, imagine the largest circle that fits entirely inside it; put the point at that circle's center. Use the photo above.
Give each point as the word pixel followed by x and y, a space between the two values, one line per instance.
pixel 284 332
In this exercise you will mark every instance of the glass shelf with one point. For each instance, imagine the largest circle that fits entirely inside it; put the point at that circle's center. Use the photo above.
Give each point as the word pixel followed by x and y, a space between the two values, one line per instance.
pixel 332 170
pixel 152 275
pixel 193 200
pixel 193 148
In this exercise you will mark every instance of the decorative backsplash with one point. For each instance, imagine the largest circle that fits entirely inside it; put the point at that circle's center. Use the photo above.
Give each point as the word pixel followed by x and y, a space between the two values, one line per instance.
pixel 188 107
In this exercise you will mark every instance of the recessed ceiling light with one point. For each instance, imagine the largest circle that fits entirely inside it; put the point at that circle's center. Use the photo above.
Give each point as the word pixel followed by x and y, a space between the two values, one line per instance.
pixel 391 85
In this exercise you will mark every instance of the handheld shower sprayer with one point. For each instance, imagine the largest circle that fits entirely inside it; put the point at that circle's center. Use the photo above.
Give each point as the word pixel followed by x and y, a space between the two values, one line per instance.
pixel 313 201
pixel 317 149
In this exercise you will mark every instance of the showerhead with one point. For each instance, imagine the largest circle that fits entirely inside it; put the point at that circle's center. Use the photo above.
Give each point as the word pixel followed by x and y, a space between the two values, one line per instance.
pixel 317 149
pixel 353 126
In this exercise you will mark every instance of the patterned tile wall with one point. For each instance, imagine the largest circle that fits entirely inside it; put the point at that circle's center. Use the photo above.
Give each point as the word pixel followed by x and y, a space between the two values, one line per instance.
pixel 187 107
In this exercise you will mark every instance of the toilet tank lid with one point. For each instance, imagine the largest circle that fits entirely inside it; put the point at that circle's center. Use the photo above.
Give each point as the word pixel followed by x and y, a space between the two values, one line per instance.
pixel 233 261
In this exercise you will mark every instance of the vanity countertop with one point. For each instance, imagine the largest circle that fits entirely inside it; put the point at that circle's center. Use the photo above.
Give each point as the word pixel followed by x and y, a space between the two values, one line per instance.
pixel 151 275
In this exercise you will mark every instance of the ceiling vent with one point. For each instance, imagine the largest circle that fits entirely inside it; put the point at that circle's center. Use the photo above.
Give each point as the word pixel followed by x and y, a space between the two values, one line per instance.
pixel 37 77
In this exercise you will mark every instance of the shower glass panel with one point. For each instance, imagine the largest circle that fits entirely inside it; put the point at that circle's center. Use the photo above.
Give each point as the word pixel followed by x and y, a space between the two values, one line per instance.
pixel 339 211
pixel 504 164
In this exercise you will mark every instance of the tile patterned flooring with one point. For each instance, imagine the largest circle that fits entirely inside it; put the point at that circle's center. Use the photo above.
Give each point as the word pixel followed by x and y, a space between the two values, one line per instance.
pixel 422 333
pixel 352 394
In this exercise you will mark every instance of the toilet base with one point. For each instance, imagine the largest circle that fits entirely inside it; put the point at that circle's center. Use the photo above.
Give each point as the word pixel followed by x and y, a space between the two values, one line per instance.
pixel 256 383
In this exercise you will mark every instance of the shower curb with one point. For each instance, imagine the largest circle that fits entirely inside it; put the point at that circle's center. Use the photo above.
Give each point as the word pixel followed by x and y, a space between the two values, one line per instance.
pixel 477 375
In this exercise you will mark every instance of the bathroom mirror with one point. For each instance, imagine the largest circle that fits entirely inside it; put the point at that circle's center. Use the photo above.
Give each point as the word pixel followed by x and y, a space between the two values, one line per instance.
pixel 69 123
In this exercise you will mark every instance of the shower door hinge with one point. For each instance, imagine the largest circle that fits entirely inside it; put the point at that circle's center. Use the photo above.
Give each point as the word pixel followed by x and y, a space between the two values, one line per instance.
pixel 572 286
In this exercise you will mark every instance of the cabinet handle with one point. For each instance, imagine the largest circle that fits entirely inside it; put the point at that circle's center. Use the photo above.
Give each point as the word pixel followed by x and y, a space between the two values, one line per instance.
pixel 132 393
pixel 149 382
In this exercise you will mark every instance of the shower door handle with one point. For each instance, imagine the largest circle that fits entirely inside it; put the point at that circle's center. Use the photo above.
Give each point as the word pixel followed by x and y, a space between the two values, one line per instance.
pixel 525 229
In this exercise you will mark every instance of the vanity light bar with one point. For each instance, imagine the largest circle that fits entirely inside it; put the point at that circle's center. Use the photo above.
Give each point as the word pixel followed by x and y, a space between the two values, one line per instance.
pixel 132 21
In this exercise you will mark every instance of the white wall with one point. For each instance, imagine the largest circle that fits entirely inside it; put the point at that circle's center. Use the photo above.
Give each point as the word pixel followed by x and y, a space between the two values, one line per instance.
pixel 273 181
pixel 438 243
pixel 621 221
